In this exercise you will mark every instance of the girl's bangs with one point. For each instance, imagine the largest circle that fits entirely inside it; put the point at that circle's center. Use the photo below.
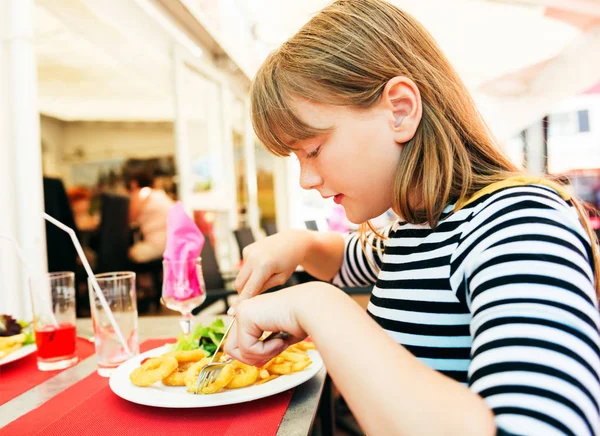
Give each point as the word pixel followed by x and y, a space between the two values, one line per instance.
pixel 275 122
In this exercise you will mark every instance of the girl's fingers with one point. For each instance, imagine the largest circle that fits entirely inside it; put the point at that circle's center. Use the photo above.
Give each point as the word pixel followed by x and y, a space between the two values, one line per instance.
pixel 275 280
pixel 244 345
pixel 255 283
pixel 242 277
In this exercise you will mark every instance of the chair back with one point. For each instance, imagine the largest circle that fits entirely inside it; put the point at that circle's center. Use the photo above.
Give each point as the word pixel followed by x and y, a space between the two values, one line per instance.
pixel 114 235
pixel 59 247
pixel 270 228
pixel 311 225
pixel 244 237
pixel 210 266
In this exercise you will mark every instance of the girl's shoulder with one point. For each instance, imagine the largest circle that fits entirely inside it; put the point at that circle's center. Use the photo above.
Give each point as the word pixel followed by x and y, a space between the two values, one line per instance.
pixel 524 197
pixel 520 206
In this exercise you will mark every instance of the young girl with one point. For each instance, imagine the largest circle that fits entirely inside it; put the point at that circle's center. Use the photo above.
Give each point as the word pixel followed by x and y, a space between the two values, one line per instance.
pixel 483 318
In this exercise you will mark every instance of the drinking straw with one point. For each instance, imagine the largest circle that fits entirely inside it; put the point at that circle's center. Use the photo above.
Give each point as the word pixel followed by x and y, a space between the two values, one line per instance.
pixel 90 274
pixel 27 270
pixel 18 250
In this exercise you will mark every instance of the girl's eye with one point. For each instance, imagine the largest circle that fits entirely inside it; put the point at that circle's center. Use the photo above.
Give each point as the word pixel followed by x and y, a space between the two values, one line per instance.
pixel 314 153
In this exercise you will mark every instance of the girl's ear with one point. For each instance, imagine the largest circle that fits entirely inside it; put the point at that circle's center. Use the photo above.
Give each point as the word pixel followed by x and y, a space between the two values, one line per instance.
pixel 401 98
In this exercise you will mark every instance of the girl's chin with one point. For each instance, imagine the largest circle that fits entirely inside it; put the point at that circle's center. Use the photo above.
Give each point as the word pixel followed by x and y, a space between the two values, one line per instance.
pixel 360 216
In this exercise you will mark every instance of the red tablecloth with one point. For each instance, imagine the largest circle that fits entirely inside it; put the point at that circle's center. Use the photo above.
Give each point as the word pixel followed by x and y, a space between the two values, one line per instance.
pixel 90 407
pixel 21 375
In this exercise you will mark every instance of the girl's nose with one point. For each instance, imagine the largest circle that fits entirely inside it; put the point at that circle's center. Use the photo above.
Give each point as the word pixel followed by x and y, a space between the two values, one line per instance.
pixel 309 177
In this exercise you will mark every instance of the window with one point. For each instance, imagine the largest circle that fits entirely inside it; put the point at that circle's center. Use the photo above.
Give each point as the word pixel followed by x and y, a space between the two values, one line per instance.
pixel 569 123
pixel 584 121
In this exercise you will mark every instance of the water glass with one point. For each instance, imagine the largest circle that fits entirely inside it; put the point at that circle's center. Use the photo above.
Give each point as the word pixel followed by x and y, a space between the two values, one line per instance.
pixel 118 289
pixel 53 301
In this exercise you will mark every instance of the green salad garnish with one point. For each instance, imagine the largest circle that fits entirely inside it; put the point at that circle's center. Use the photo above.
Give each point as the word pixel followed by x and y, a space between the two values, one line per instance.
pixel 206 338
pixel 29 333
pixel 10 326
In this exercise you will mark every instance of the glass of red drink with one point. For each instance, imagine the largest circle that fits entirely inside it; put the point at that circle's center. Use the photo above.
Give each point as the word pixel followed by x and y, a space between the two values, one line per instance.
pixel 53 300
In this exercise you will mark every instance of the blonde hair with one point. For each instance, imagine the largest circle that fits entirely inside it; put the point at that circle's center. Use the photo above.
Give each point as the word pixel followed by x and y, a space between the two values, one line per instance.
pixel 344 56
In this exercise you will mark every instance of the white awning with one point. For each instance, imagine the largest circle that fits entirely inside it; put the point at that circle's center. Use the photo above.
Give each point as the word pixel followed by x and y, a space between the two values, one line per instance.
pixel 110 60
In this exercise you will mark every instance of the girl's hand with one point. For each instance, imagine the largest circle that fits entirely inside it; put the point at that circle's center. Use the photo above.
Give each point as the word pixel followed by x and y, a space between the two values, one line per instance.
pixel 273 312
pixel 271 261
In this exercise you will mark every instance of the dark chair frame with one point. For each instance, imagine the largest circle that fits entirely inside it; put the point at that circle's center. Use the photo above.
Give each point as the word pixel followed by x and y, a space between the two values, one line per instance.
pixel 270 228
pixel 213 279
pixel 311 225
pixel 244 237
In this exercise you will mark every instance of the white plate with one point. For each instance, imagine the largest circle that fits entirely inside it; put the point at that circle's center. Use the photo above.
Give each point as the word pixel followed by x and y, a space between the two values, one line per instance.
pixel 159 395
pixel 20 353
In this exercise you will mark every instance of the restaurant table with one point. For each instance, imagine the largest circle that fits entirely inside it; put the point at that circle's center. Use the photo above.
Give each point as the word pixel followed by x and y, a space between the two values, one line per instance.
pixel 297 420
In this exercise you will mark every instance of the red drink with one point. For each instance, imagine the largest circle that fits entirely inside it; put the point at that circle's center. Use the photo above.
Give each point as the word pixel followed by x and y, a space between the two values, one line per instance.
pixel 55 342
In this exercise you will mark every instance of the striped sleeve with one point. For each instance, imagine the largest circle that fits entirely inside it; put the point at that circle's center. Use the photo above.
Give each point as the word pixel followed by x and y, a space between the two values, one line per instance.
pixel 362 259
pixel 529 284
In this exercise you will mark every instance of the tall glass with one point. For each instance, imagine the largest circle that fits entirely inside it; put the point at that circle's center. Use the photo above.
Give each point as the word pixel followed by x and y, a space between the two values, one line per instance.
pixel 53 301
pixel 119 290
pixel 183 288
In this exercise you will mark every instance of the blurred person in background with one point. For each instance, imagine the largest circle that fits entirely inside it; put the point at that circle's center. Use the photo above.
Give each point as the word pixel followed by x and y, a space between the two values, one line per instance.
pixel 148 208
pixel 483 318
pixel 81 200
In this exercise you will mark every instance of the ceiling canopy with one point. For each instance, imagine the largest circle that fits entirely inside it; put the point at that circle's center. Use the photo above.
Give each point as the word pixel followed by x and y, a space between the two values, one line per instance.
pixel 111 60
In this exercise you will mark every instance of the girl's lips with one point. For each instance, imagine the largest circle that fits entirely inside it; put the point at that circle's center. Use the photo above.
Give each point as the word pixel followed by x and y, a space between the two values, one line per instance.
pixel 338 198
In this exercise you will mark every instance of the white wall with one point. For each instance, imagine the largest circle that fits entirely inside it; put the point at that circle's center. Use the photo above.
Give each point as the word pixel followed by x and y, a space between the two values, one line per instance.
pixel 295 205
pixel 53 139
pixel 74 142
pixel 20 161
pixel 580 150
pixel 513 148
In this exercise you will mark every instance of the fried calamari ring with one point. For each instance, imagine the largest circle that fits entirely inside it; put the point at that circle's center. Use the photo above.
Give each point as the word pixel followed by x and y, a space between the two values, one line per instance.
pixel 245 375
pixel 177 377
pixel 191 375
pixel 187 356
pixel 222 380
pixel 153 370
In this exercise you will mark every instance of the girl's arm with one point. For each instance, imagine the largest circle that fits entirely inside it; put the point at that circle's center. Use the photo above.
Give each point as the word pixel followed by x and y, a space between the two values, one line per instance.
pixel 529 285
pixel 271 261
pixel 325 255
pixel 387 388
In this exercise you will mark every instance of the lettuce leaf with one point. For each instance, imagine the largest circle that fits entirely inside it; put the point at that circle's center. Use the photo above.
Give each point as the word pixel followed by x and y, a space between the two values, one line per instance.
pixel 206 338
pixel 28 330
pixel 30 335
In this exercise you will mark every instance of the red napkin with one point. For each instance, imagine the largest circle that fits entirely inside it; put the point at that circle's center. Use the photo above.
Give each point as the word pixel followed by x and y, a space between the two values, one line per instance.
pixel 184 243
pixel 21 375
pixel 89 407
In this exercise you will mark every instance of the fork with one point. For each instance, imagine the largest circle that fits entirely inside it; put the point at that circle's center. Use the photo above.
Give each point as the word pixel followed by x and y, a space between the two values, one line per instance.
pixel 209 374
pixel 211 371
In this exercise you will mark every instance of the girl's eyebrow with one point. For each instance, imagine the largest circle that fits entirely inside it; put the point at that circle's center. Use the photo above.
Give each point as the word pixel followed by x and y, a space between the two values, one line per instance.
pixel 294 142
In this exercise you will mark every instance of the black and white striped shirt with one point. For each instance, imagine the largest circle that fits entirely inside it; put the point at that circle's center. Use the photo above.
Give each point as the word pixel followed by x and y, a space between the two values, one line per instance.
pixel 500 296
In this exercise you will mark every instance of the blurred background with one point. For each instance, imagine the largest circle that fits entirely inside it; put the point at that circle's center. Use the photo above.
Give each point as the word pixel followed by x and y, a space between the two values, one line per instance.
pixel 94 92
